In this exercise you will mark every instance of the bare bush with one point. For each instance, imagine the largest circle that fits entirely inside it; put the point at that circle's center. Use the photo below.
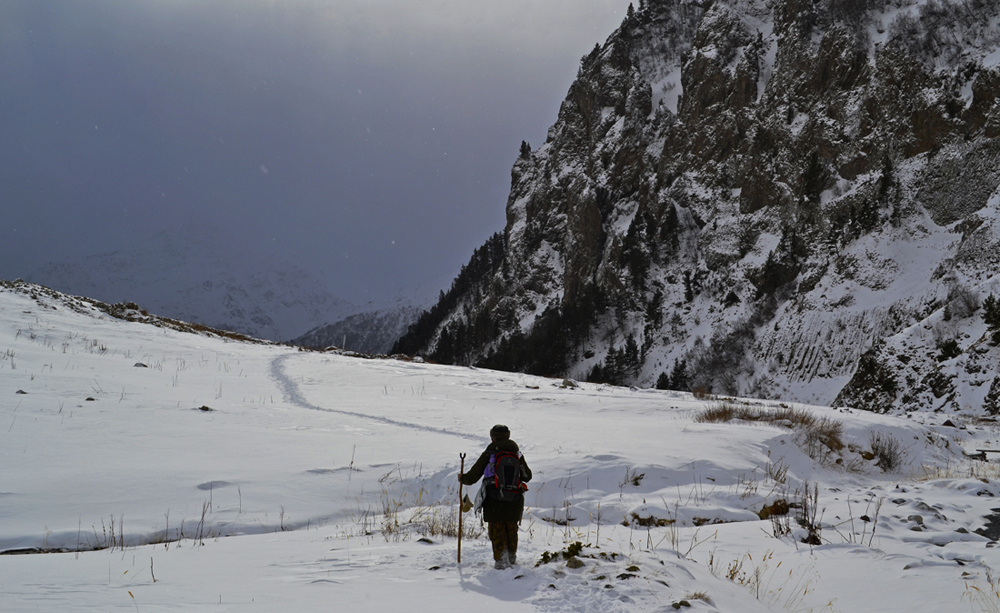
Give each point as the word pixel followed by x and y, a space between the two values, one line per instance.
pixel 822 437
pixel 963 301
pixel 808 516
pixel 887 449
pixel 777 472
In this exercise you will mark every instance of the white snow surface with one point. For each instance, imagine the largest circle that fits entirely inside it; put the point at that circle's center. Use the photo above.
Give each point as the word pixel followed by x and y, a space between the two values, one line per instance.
pixel 276 498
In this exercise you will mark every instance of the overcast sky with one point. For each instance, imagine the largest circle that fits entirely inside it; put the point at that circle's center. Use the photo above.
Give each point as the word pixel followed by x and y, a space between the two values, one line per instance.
pixel 369 141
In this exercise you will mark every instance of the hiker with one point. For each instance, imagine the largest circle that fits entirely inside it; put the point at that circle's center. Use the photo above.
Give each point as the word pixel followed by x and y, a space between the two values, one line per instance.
pixel 501 463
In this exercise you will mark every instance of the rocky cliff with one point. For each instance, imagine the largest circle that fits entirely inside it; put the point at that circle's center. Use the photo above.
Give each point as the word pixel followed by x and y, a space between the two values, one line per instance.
pixel 776 198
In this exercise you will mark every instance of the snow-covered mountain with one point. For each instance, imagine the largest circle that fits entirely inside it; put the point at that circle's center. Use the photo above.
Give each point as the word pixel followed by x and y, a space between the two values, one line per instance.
pixel 372 332
pixel 187 275
pixel 754 197
pixel 375 328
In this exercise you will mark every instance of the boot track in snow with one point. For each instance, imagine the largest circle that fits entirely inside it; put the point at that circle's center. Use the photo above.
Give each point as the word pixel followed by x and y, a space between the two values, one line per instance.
pixel 294 396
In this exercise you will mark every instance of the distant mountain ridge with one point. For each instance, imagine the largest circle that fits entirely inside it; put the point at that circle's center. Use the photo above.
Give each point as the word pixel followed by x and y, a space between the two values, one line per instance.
pixel 371 332
pixel 187 276
pixel 786 199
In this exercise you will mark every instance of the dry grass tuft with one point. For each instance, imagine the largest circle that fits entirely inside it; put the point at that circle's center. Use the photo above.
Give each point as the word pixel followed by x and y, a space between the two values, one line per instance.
pixel 985 598
pixel 887 449
pixel 969 469
pixel 820 435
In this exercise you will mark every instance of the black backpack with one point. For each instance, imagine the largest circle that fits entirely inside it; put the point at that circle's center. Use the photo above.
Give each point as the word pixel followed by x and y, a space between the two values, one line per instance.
pixel 506 484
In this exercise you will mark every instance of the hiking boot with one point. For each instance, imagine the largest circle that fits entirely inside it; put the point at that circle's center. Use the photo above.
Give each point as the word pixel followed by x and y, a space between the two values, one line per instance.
pixel 503 562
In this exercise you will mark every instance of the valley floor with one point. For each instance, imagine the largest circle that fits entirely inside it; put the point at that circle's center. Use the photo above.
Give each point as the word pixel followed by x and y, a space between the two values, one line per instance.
pixel 187 472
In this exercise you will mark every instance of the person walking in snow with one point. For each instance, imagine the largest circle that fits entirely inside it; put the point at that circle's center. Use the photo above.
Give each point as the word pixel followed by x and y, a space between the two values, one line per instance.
pixel 501 496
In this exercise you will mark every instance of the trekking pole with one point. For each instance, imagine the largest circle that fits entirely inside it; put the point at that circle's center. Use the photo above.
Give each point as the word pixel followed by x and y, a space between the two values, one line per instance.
pixel 461 471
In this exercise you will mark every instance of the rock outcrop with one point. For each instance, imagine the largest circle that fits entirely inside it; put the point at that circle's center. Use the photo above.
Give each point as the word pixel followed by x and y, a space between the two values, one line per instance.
pixel 780 198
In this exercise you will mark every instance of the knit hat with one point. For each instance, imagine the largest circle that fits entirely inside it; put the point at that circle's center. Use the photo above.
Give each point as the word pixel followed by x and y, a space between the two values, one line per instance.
pixel 500 431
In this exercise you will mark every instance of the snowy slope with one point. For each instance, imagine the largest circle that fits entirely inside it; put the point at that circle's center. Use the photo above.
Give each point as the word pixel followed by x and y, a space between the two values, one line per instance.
pixel 327 471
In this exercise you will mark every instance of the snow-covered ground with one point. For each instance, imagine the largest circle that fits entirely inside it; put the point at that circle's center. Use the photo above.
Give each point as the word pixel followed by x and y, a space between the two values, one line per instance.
pixel 169 470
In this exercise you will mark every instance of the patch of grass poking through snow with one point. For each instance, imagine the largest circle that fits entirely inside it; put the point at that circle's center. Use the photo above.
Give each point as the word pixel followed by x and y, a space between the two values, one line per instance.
pixel 887 449
pixel 702 596
pixel 769 585
pixel 632 477
pixel 111 536
pixel 777 472
pixel 987 598
pixel 398 518
pixel 648 522
pixel 820 437
pixel 442 520
pixel 809 515
pixel 971 469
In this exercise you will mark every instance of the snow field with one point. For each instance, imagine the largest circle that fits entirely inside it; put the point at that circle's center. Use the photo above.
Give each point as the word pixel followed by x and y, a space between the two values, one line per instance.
pixel 329 470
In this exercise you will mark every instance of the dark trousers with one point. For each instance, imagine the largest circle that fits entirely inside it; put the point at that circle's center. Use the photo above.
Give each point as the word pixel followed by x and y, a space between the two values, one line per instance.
pixel 503 535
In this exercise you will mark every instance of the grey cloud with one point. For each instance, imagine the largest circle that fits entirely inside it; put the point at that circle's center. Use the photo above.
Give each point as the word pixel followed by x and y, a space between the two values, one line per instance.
pixel 368 141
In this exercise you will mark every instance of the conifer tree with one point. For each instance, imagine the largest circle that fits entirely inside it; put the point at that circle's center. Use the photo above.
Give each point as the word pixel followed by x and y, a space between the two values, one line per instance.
pixel 631 355
pixel 663 381
pixel 679 376
pixel 654 310
pixel 991 312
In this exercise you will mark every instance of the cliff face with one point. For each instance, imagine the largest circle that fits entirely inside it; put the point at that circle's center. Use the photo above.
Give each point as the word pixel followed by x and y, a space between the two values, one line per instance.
pixel 755 197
